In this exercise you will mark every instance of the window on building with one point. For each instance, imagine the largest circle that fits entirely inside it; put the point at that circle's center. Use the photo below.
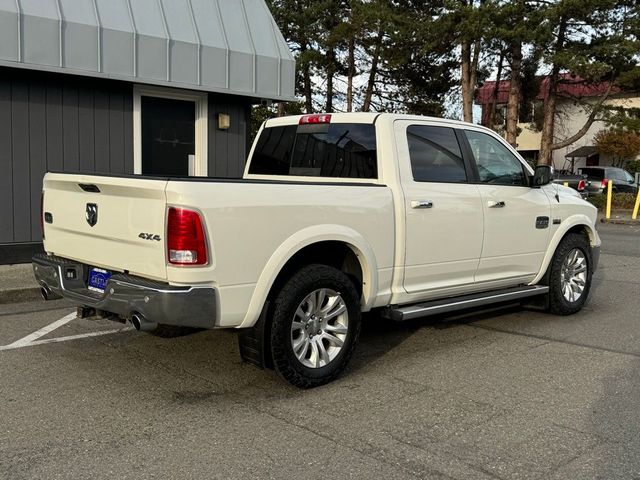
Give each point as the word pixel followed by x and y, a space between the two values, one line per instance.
pixel 435 155
pixel 496 164
pixel 500 117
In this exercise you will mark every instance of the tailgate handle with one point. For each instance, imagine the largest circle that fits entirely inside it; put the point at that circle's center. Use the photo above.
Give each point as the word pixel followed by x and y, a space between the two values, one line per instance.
pixel 89 187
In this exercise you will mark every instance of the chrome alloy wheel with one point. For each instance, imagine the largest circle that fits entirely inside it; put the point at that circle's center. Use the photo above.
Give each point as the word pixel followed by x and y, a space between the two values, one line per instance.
pixel 319 328
pixel 573 275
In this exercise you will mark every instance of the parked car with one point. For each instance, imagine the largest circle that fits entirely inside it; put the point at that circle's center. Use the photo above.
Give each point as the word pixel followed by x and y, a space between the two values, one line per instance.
pixel 337 214
pixel 577 182
pixel 597 178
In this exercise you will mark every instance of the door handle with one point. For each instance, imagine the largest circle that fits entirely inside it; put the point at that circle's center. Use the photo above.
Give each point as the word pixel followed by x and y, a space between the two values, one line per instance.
pixel 496 204
pixel 421 204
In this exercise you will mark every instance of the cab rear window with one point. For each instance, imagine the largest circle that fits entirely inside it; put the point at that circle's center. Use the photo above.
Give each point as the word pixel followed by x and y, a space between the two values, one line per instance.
pixel 338 150
pixel 592 172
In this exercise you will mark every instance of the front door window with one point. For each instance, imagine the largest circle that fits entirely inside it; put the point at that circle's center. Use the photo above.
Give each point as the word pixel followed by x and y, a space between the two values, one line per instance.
pixel 496 164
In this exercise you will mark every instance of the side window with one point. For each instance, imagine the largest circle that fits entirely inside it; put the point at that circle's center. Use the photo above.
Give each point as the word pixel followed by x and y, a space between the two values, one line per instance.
pixel 435 155
pixel 617 175
pixel 629 177
pixel 496 164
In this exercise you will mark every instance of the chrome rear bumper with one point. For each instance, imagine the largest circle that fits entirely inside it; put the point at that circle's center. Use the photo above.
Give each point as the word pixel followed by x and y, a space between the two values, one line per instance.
pixel 127 295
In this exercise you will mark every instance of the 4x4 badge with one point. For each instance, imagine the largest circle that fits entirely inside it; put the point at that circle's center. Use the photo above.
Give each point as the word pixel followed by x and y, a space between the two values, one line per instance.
pixel 149 236
pixel 91 214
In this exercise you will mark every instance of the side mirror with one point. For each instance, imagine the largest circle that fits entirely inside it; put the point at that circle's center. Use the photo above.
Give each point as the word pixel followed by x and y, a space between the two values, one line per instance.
pixel 542 176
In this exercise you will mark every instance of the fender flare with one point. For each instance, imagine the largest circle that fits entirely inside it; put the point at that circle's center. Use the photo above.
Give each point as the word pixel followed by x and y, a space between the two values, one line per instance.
pixel 573 221
pixel 304 238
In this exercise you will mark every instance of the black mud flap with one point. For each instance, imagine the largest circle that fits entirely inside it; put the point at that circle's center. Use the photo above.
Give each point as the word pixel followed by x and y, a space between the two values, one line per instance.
pixel 254 342
pixel 541 303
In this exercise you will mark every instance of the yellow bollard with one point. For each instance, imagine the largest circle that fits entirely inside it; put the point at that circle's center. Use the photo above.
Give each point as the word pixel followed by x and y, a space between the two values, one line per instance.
pixel 635 209
pixel 566 184
pixel 609 187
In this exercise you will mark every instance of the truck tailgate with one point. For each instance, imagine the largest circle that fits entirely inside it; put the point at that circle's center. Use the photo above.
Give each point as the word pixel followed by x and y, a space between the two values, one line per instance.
pixel 127 232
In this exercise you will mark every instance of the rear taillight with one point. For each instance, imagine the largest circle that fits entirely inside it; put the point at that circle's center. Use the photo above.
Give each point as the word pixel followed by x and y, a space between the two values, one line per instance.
pixel 186 241
pixel 42 214
pixel 581 185
pixel 604 183
pixel 315 119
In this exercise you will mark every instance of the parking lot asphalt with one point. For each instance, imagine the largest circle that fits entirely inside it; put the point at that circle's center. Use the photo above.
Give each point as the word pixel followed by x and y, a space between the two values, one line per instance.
pixel 506 394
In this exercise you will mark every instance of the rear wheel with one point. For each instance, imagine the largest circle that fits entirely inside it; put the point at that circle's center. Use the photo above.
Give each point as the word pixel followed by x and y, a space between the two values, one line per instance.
pixel 315 326
pixel 570 275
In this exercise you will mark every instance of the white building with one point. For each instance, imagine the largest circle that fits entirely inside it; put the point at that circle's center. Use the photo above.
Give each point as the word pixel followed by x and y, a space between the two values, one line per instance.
pixel 572 114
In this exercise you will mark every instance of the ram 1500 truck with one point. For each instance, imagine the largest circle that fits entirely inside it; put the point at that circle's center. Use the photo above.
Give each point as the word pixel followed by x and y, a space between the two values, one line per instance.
pixel 337 214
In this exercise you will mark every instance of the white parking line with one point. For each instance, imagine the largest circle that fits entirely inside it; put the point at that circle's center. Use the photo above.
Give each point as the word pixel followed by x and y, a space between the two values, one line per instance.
pixel 31 340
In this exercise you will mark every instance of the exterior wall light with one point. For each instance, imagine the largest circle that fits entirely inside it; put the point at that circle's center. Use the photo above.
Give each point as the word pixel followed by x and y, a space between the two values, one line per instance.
pixel 224 121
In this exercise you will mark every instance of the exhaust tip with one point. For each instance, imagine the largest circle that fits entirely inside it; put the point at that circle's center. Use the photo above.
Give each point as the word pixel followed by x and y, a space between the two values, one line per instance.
pixel 47 294
pixel 142 324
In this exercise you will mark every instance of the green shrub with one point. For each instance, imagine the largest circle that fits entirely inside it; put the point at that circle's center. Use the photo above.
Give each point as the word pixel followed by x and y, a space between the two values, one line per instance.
pixel 632 167
pixel 619 201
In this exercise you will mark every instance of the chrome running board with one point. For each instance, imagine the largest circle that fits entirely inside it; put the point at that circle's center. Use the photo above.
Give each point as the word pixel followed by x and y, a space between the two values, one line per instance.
pixel 452 304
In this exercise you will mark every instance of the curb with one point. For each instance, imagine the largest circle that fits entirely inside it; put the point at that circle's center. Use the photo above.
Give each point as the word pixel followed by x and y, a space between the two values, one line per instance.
pixel 616 221
pixel 17 295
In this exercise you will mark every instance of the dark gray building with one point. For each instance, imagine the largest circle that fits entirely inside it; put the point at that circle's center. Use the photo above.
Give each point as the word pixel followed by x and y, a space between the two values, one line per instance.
pixel 153 87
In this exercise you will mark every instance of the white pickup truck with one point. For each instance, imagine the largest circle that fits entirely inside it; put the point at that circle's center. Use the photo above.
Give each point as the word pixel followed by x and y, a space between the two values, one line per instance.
pixel 336 215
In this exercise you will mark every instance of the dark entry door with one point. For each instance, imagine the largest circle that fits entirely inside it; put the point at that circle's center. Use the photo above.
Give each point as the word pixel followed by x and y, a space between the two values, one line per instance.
pixel 168 136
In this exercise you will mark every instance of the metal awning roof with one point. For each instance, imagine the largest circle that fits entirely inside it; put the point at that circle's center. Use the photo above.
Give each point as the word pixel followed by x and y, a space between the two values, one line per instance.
pixel 582 152
pixel 228 46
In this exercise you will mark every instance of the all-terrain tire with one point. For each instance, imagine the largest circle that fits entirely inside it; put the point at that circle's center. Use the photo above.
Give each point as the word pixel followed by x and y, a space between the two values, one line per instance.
pixel 558 304
pixel 302 284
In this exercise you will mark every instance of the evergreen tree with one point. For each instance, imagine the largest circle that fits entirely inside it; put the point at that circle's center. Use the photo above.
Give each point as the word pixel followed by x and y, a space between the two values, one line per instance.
pixel 593 40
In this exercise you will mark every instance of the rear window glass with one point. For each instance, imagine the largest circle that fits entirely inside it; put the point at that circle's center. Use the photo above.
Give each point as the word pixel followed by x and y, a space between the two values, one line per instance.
pixel 435 155
pixel 592 172
pixel 342 150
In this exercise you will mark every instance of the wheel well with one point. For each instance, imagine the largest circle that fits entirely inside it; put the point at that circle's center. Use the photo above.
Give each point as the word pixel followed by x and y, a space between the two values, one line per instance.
pixel 335 254
pixel 582 230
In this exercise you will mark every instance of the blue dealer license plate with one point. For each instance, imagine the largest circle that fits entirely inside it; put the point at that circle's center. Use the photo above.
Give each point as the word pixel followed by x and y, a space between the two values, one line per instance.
pixel 98 279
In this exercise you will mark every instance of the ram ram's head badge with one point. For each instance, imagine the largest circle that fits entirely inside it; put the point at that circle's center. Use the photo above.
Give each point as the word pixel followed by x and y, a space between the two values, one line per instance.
pixel 91 214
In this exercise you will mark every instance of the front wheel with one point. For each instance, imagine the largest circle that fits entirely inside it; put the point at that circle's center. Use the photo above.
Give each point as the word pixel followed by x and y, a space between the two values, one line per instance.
pixel 570 275
pixel 315 326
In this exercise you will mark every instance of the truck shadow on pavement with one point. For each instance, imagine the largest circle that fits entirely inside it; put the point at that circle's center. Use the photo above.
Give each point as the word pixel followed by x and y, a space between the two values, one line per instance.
pixel 614 421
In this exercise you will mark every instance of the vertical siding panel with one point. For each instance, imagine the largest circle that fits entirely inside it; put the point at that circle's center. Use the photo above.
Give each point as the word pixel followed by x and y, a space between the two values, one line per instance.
pixel 242 138
pixel 228 149
pixel 212 170
pixel 70 128
pixel 86 130
pixel 116 127
pixel 55 151
pixel 101 105
pixel 248 141
pixel 6 164
pixel 230 139
pixel 37 151
pixel 20 159
pixel 231 134
pixel 128 129
pixel 222 152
